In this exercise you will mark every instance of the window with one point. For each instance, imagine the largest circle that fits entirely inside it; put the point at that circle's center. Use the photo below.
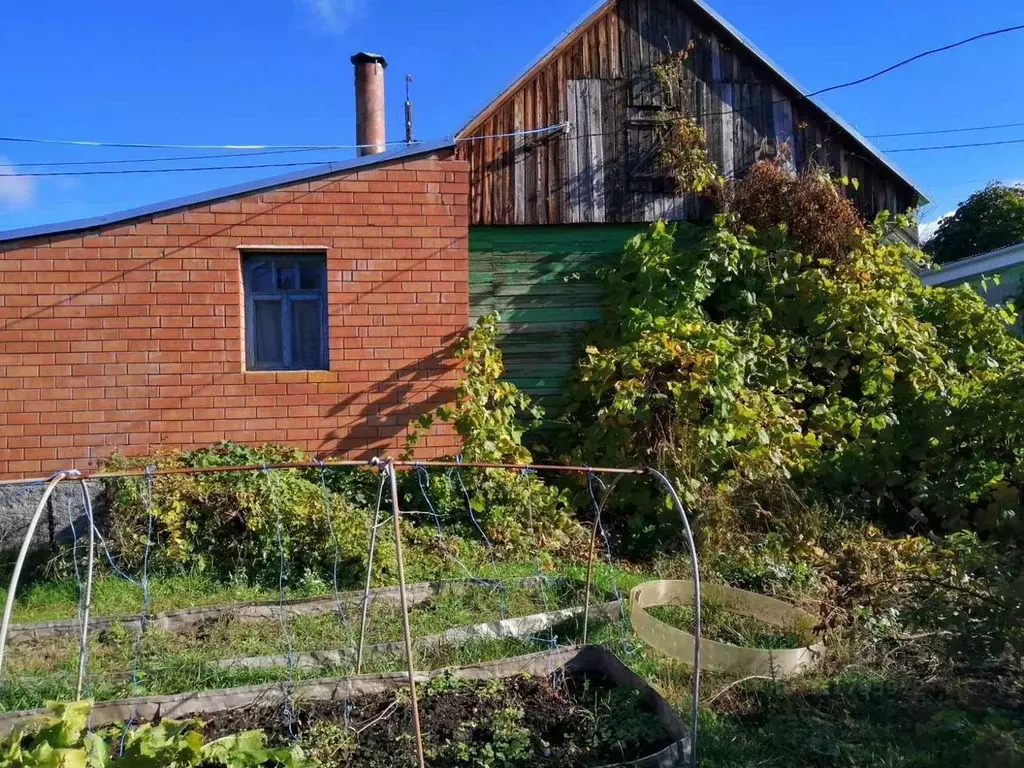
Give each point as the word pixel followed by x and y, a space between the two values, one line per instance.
pixel 285 312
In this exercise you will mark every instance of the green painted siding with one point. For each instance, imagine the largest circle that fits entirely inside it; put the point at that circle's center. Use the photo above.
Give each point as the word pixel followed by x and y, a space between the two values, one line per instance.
pixel 541 281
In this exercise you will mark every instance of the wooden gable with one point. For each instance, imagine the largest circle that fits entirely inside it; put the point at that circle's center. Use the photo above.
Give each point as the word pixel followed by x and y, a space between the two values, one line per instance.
pixel 604 168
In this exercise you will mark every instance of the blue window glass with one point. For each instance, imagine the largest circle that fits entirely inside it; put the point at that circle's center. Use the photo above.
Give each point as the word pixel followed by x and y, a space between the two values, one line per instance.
pixel 285 312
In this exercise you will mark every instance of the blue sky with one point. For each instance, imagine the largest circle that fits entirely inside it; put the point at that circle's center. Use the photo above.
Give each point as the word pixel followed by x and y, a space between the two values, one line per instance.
pixel 277 72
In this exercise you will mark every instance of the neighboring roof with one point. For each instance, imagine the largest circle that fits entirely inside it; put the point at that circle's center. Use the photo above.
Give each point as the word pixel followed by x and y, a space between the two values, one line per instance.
pixel 304 174
pixel 975 266
pixel 597 10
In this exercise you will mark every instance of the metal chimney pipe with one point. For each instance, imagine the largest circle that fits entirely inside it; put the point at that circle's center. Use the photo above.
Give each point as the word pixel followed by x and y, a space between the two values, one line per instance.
pixel 370 102
pixel 408 111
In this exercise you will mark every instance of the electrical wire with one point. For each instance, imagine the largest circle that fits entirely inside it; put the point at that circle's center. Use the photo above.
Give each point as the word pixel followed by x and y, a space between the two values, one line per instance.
pixel 125 171
pixel 250 147
pixel 303 147
pixel 515 134
pixel 310 163
pixel 957 146
pixel 938 131
pixel 866 78
pixel 191 169
pixel 141 145
pixel 165 159
pixel 254 152
pixel 914 58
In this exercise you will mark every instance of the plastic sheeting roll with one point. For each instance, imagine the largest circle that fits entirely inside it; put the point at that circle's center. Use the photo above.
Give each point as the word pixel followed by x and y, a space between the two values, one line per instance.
pixel 722 657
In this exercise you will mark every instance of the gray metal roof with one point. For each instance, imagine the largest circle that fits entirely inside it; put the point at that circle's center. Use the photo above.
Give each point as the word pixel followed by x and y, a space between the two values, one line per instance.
pixel 991 262
pixel 304 174
pixel 742 40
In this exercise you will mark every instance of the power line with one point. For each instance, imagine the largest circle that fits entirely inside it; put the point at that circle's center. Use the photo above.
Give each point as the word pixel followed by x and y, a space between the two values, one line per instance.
pixel 129 161
pixel 548 130
pixel 532 132
pixel 236 147
pixel 249 148
pixel 537 131
pixel 252 147
pixel 944 130
pixel 917 57
pixel 956 146
pixel 124 171
pixel 872 76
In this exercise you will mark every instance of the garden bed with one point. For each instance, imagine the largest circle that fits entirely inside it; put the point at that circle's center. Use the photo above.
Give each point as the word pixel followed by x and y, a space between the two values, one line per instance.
pixel 577 706
pixel 743 633
pixel 720 624
pixel 575 720
pixel 453 623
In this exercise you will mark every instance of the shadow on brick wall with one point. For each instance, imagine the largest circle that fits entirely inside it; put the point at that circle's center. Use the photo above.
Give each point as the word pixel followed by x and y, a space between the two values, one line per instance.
pixel 386 408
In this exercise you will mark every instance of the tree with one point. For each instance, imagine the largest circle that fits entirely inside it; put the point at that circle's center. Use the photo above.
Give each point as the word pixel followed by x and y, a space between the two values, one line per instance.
pixel 990 219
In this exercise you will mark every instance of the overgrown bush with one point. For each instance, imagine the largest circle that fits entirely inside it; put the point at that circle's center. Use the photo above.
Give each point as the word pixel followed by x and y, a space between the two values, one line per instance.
pixel 235 523
pixel 744 360
pixel 964 595
pixel 814 403
pixel 516 512
pixel 812 209
pixel 238 524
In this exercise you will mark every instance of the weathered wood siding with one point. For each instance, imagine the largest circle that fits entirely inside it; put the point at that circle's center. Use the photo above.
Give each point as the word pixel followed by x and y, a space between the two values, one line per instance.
pixel 605 167
pixel 542 282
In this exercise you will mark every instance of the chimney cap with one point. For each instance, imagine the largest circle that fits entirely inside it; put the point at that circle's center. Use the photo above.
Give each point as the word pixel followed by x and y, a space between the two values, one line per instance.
pixel 365 57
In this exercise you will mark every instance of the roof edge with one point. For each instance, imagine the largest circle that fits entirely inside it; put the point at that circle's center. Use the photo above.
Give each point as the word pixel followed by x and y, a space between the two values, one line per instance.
pixel 246 187
pixel 973 266
pixel 566 38
pixel 792 83
pixel 601 7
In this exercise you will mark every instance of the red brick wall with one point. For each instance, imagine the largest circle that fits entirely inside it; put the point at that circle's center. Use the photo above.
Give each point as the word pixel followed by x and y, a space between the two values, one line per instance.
pixel 130 337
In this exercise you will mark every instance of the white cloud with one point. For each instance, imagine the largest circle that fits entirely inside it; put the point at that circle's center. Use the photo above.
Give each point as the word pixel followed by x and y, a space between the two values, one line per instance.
pixel 15 191
pixel 332 15
pixel 926 231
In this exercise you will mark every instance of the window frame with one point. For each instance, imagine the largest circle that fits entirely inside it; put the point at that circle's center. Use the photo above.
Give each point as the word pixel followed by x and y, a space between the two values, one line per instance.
pixel 286 296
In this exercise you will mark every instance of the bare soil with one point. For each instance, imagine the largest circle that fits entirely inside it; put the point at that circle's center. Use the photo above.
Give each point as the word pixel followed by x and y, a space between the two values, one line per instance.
pixel 521 721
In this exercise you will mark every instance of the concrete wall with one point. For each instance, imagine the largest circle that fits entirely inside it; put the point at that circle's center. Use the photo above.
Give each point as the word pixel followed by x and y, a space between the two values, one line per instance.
pixel 62 519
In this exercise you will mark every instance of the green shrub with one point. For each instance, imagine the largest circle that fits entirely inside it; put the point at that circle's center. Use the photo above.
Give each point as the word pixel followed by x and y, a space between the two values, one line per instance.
pixel 496 507
pixel 964 595
pixel 227 523
pixel 60 740
pixel 491 416
pixel 743 362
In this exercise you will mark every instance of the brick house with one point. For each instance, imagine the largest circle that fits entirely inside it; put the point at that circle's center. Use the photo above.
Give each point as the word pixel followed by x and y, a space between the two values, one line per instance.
pixel 320 308
pixel 317 309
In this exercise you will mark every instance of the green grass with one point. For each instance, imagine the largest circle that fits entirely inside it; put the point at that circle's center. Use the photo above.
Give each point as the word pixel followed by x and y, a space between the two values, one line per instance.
pixel 114 597
pixel 724 626
pixel 853 712
pixel 181 661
